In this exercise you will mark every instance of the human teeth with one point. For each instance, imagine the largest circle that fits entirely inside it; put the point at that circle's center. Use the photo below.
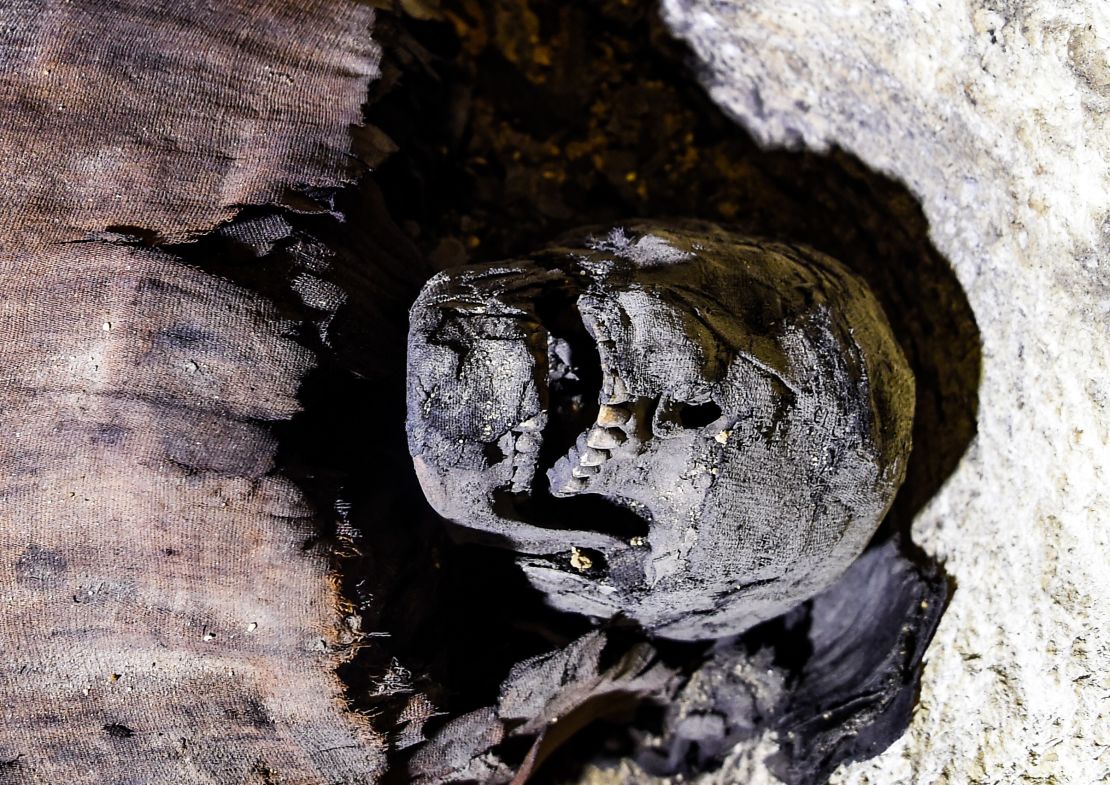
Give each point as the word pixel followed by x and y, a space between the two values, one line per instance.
pixel 582 472
pixel 527 443
pixel 604 439
pixel 617 390
pixel 573 485
pixel 533 423
pixel 592 457
pixel 608 416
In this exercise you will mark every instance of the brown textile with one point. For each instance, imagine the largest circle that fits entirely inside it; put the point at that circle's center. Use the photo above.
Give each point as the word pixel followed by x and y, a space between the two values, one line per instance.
pixel 163 618
pixel 166 115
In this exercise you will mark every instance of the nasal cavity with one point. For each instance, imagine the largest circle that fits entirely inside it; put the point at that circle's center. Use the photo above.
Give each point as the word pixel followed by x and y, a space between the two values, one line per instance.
pixel 573 375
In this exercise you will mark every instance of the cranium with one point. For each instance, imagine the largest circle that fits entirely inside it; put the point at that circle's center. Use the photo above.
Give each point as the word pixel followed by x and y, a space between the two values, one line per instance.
pixel 684 427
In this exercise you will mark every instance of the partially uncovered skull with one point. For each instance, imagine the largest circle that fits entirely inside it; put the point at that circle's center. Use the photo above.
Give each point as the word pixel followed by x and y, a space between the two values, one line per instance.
pixel 677 425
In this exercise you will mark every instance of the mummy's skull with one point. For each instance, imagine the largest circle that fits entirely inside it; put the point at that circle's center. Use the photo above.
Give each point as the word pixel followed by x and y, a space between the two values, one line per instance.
pixel 678 425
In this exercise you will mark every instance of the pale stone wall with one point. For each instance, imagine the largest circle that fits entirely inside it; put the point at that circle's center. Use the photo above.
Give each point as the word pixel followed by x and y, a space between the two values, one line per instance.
pixel 995 117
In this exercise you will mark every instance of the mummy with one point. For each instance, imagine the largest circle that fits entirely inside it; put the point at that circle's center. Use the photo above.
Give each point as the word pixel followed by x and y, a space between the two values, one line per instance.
pixel 670 424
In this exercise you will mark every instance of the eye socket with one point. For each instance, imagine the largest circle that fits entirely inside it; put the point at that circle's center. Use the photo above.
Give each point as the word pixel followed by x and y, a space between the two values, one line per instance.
pixel 673 417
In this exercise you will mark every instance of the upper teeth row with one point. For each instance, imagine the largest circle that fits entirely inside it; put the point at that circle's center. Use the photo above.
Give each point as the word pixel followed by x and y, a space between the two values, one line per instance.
pixel 614 390
pixel 593 449
pixel 609 416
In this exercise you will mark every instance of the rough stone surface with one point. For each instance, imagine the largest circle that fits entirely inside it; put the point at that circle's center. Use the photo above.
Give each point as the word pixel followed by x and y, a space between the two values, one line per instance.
pixel 995 116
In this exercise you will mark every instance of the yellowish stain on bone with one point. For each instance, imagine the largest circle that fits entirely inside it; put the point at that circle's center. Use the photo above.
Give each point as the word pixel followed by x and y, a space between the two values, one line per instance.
pixel 579 560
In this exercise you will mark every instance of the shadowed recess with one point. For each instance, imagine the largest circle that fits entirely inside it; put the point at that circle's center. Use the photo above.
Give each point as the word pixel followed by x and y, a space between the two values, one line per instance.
pixel 514 125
